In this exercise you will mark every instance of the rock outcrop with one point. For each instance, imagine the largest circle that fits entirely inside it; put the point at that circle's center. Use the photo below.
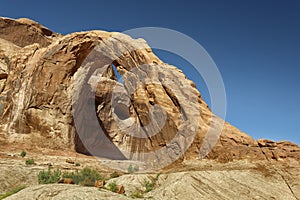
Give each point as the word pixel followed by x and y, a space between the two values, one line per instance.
pixel 62 92
pixel 23 32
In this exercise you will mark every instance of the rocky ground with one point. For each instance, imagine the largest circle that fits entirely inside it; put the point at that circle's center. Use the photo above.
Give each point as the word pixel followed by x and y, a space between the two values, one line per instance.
pixel 197 179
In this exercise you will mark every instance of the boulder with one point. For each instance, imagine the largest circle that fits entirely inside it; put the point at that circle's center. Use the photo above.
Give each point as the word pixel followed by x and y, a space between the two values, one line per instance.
pixel 99 184
pixel 66 181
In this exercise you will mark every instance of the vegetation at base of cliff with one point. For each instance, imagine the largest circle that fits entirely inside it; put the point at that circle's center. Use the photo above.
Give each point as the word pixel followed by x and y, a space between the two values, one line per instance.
pixel 47 177
pixel 148 185
pixel 137 194
pixel 112 186
pixel 88 177
pixel 132 168
pixel 11 192
pixel 85 177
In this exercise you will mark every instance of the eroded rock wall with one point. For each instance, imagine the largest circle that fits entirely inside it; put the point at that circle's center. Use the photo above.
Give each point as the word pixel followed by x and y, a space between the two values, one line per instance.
pixel 62 92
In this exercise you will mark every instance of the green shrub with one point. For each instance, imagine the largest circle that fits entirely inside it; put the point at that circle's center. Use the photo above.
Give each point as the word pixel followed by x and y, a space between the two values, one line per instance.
pixel 137 194
pixel 47 177
pixel 150 185
pixel 132 168
pixel 77 164
pixel 113 186
pixel 86 177
pixel 76 178
pixel 11 192
pixel 156 178
pixel 23 154
pixel 29 161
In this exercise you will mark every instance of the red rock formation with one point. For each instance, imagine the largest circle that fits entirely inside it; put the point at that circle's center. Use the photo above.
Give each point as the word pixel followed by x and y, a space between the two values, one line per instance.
pixel 62 92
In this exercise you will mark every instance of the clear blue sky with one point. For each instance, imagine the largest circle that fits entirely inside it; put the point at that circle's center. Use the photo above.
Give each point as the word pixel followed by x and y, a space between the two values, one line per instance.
pixel 255 44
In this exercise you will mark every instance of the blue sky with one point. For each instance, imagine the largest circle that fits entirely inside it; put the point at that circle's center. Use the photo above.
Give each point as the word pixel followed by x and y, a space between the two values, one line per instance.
pixel 255 44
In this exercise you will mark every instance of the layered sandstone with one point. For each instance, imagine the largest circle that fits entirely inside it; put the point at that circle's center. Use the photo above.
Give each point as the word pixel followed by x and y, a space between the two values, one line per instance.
pixel 62 92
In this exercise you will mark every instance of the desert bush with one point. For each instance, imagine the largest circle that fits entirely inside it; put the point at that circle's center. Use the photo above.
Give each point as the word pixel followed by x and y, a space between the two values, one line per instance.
pixel 48 177
pixel 76 178
pixel 150 185
pixel 156 178
pixel 86 177
pixel 137 194
pixel 132 169
pixel 11 192
pixel 23 154
pixel 112 186
pixel 29 161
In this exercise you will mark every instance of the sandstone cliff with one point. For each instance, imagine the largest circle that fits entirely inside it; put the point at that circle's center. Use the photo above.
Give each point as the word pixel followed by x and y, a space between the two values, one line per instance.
pixel 47 79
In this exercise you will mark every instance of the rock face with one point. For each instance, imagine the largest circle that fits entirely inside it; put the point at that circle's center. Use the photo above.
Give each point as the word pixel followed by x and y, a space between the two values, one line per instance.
pixel 62 92
pixel 23 32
